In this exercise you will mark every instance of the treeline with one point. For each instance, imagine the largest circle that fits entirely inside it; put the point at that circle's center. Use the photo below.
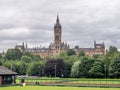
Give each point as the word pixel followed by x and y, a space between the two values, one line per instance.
pixel 66 64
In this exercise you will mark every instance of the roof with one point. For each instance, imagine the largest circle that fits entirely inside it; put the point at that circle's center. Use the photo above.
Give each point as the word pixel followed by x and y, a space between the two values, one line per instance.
pixel 6 71
pixel 86 49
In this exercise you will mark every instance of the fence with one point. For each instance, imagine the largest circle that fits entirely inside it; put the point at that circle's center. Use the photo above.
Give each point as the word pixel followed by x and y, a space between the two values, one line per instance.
pixel 72 82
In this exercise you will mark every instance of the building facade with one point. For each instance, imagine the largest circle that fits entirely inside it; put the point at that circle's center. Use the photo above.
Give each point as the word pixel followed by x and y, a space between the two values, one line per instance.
pixel 54 48
pixel 98 49
pixel 57 46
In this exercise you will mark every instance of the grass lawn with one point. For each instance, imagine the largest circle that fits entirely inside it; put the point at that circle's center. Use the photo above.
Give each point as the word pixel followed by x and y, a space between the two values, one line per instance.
pixel 74 80
pixel 53 88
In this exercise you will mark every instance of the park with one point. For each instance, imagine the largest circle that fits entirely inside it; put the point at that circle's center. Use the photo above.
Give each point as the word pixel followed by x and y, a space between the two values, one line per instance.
pixel 69 72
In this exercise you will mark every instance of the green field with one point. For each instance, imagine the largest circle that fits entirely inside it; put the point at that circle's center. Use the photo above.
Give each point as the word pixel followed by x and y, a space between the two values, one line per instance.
pixel 73 80
pixel 53 88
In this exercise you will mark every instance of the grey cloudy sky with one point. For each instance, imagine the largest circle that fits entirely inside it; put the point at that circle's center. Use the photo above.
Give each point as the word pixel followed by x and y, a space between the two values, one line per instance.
pixel 83 21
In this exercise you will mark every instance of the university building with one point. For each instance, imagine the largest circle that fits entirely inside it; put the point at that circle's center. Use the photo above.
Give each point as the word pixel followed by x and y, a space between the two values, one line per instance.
pixel 57 46
pixel 98 49
pixel 54 48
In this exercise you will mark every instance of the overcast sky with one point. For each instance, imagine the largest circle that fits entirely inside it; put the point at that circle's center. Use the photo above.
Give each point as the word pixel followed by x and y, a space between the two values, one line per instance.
pixel 83 21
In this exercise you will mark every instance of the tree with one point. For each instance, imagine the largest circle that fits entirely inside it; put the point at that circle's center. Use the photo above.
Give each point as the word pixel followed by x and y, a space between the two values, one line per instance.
pixel 71 52
pixel 114 67
pixel 110 54
pixel 75 69
pixel 33 57
pixel 26 53
pixel 67 70
pixel 97 70
pixel 96 56
pixel 76 47
pixel 13 54
pixel 22 67
pixel 36 58
pixel 26 59
pixel 54 65
pixel 1 56
pixel 84 68
pixel 35 69
pixel 1 61
pixel 81 53
pixel 112 50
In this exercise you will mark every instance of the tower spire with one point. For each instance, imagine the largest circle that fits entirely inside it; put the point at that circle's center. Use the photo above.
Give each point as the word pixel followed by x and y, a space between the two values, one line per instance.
pixel 57 21
pixel 57 25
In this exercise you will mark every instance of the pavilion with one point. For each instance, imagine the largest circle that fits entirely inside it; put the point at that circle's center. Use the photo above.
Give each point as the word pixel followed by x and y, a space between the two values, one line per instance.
pixel 6 76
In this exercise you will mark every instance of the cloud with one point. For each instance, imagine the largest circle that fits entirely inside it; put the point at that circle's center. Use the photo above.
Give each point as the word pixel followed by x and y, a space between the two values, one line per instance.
pixel 83 21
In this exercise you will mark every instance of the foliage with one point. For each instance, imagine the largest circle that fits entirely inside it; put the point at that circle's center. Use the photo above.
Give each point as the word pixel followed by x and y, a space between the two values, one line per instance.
pixel 84 67
pixel 91 68
pixel 22 67
pixel 36 58
pixel 26 53
pixel 68 64
pixel 75 69
pixel 71 52
pixel 26 59
pixel 114 68
pixel 76 47
pixel 112 50
pixel 81 53
pixel 35 69
pixel 33 57
pixel 13 54
pixel 110 54
pixel 97 70
pixel 96 56
pixel 0 56
pixel 54 65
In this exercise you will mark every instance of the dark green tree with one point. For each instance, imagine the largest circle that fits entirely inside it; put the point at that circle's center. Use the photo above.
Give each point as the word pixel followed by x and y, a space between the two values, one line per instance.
pixel 71 52
pixel 13 54
pixel 112 50
pixel 81 53
pixel 96 56
pixel 84 68
pixel 76 47
pixel 114 67
pixel 97 70
pixel 51 66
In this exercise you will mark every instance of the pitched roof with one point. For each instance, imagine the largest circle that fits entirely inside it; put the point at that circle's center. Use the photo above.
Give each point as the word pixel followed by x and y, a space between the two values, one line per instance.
pixel 6 71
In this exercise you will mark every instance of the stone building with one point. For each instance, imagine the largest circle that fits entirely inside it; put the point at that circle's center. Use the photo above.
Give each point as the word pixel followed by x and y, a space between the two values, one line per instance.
pixel 54 48
pixel 57 46
pixel 98 49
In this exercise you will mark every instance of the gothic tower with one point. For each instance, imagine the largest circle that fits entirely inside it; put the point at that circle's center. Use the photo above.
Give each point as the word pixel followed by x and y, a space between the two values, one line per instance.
pixel 57 35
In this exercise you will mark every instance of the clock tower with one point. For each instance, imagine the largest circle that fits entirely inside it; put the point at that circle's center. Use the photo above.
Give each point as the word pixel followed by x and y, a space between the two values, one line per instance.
pixel 57 35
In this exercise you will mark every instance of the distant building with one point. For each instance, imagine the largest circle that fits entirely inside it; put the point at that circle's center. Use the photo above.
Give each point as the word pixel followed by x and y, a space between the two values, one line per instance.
pixel 6 76
pixel 57 46
pixel 54 48
pixel 98 49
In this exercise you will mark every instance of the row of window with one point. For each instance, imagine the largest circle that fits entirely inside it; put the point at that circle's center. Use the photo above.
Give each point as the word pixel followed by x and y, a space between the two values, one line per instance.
pixel 7 79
